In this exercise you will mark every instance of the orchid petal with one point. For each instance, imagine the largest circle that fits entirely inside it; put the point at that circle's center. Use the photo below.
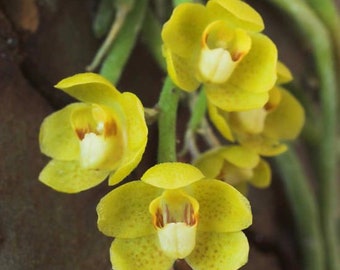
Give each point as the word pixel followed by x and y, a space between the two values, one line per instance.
pixel 69 177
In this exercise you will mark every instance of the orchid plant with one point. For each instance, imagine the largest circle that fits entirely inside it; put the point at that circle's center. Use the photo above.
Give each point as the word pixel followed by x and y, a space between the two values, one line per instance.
pixel 226 70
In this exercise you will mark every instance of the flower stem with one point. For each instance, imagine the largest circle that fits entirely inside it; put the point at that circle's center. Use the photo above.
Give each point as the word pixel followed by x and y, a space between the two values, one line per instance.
pixel 304 209
pixel 122 11
pixel 317 36
pixel 327 10
pixel 198 111
pixel 120 50
pixel 168 104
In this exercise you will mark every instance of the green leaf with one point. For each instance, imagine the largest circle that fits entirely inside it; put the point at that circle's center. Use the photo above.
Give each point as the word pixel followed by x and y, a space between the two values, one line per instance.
pixel 121 49
pixel 104 18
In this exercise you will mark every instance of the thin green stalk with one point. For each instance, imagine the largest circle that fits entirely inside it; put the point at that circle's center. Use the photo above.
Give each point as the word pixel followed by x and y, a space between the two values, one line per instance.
pixel 168 104
pixel 328 12
pixel 198 111
pixel 103 18
pixel 118 54
pixel 304 209
pixel 317 36
pixel 198 107
pixel 122 12
pixel 175 3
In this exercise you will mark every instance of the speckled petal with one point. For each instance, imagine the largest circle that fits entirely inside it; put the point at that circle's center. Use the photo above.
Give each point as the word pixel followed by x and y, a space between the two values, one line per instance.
pixel 237 13
pixel 210 163
pixel 181 34
pixel 262 175
pixel 219 251
pixel 233 98
pixel 257 71
pixel 218 117
pixel 240 156
pixel 264 146
pixel 139 253
pixel 181 70
pixel 222 207
pixel 89 87
pixel 136 132
pixel 69 177
pixel 124 212
pixel 57 138
pixel 172 175
pixel 287 120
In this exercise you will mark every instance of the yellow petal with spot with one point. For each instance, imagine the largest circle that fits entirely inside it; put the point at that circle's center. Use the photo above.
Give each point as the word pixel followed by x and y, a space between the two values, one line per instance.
pixel 287 120
pixel 237 13
pixel 222 207
pixel 69 177
pixel 210 163
pixel 181 70
pixel 232 98
pixel 124 212
pixel 57 138
pixel 257 71
pixel 240 156
pixel 220 121
pixel 136 136
pixel 141 253
pixel 262 175
pixel 89 87
pixel 172 175
pixel 263 145
pixel 181 34
pixel 219 251
pixel 283 73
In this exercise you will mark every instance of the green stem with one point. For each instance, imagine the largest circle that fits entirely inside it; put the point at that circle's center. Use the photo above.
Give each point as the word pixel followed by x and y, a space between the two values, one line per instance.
pixel 104 18
pixel 122 11
pixel 175 3
pixel 168 103
pixel 317 36
pixel 304 210
pixel 198 111
pixel 118 55
pixel 327 10
pixel 198 107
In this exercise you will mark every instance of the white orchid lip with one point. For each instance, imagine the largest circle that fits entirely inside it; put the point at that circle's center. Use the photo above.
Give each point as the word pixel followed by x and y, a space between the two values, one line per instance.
pixel 216 65
pixel 94 150
pixel 101 138
pixel 177 240
pixel 222 48
pixel 175 216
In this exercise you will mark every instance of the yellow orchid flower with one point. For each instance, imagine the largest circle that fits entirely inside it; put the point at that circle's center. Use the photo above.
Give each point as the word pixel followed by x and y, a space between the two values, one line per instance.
pixel 235 165
pixel 263 129
pixel 175 213
pixel 104 135
pixel 220 45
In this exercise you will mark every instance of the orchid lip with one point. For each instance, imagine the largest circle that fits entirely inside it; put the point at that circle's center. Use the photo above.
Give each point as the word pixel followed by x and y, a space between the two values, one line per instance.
pixel 175 217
